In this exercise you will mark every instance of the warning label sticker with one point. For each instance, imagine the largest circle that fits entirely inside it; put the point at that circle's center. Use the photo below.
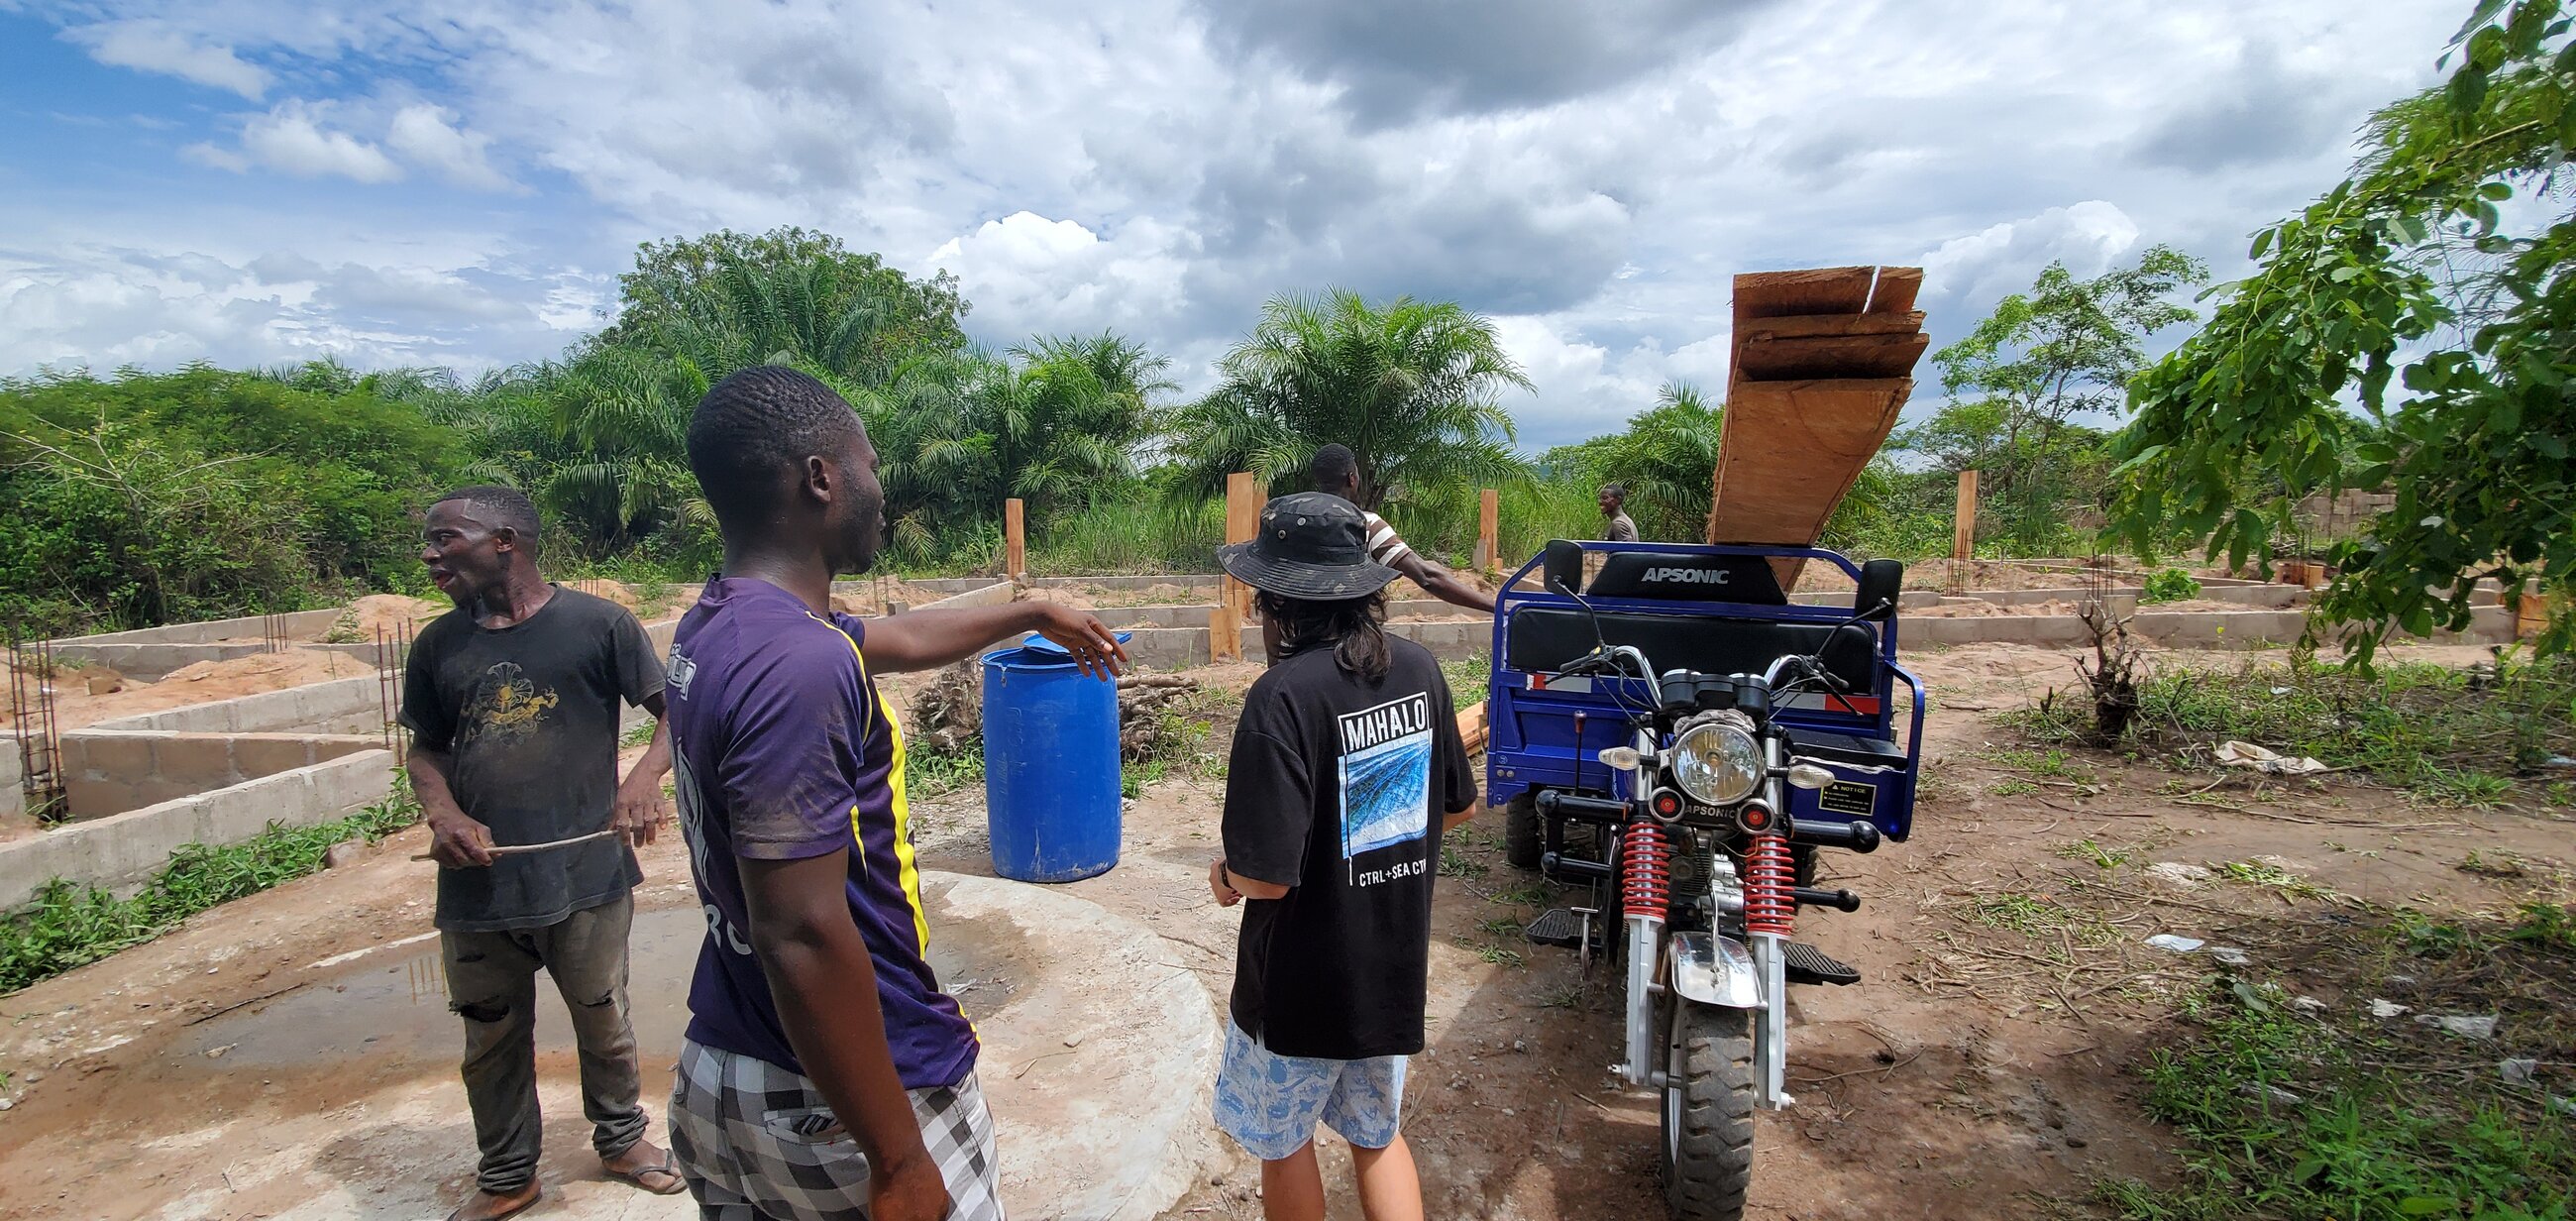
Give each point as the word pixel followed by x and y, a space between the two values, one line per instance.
pixel 1848 797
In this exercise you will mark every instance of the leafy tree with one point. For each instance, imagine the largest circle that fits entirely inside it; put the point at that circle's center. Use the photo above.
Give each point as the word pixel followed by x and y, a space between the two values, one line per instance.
pixel 727 300
pixel 2412 256
pixel 1409 387
pixel 2017 382
pixel 145 498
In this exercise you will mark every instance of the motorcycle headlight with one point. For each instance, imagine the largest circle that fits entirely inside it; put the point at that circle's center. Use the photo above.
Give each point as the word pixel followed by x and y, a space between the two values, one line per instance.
pixel 1717 764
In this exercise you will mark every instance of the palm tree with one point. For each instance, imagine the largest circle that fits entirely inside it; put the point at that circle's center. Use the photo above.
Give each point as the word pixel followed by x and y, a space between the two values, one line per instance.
pixel 1410 388
pixel 1057 423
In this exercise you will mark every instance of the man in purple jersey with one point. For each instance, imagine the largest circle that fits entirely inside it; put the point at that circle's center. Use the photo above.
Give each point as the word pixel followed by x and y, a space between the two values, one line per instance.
pixel 824 1073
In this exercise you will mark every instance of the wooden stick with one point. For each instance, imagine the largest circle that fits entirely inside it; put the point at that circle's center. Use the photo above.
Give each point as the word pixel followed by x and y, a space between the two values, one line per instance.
pixel 517 849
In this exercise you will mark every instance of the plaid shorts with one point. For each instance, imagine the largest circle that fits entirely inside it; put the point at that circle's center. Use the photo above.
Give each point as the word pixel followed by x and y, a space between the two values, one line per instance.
pixel 757 1143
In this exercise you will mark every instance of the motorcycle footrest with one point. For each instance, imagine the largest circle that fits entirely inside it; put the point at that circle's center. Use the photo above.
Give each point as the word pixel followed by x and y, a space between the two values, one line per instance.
pixel 1808 965
pixel 1557 926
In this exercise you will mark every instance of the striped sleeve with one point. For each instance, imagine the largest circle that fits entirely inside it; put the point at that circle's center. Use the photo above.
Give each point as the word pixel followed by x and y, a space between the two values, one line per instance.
pixel 1383 546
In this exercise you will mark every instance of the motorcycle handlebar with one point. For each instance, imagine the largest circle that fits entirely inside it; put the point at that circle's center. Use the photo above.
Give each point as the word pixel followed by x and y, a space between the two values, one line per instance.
pixel 1856 836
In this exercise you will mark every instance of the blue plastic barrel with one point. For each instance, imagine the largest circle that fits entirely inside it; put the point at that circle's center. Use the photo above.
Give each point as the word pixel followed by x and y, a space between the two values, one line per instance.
pixel 1051 775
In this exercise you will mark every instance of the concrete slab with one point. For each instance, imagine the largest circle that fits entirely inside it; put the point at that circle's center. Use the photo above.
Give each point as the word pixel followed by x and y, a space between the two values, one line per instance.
pixel 1098 1056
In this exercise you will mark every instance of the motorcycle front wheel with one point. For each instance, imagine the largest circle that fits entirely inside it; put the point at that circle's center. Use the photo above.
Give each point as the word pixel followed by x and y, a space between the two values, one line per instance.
pixel 1708 1112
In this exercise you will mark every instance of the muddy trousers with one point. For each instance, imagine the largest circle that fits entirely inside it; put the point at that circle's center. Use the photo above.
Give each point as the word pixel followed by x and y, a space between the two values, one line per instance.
pixel 492 984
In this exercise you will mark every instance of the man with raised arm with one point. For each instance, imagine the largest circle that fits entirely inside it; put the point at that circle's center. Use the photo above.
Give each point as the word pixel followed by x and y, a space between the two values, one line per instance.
pixel 1335 470
pixel 824 1073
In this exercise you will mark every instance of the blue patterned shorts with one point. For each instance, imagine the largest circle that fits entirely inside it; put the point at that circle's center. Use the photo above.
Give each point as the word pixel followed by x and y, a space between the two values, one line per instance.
pixel 1270 1103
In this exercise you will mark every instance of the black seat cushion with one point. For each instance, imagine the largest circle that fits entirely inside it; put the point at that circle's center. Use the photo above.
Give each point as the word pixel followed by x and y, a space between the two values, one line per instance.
pixel 1688 578
pixel 1543 639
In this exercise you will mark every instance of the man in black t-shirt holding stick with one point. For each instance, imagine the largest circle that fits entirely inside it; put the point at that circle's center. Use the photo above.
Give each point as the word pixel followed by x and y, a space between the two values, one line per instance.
pixel 1345 759
pixel 512 700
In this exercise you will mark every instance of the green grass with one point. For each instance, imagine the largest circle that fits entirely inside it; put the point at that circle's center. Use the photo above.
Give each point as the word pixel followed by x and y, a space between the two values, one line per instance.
pixel 2448 735
pixel 2039 918
pixel 69 925
pixel 2268 877
pixel 1468 677
pixel 1139 536
pixel 2285 1113
pixel 1456 864
pixel 931 773
pixel 640 735
pixel 1489 953
pixel 2100 857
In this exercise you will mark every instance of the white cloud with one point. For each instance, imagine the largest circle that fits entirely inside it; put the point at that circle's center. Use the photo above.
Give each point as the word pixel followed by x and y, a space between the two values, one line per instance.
pixel 151 46
pixel 1119 166
pixel 421 134
pixel 1029 275
pixel 291 138
pixel 2004 257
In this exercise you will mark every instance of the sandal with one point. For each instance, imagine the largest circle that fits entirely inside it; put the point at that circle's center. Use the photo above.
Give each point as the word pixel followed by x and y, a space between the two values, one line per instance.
pixel 669 1171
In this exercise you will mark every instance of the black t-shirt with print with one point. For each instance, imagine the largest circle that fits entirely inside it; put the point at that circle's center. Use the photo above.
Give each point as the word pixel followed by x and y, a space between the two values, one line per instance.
pixel 1335 790
pixel 528 716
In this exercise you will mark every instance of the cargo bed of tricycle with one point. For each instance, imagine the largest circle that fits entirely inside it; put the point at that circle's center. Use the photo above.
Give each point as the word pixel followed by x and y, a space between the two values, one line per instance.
pixel 1711 609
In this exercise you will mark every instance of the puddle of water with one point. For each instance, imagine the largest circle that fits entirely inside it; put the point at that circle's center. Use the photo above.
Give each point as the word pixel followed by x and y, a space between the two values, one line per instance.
pixel 397 1008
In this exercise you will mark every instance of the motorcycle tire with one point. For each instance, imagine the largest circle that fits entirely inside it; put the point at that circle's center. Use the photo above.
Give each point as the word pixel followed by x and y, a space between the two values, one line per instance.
pixel 1708 1112
pixel 1521 840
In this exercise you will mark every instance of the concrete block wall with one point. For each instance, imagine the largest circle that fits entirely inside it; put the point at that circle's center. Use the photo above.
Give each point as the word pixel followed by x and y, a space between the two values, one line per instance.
pixel 121 851
pixel 297 623
pixel 111 773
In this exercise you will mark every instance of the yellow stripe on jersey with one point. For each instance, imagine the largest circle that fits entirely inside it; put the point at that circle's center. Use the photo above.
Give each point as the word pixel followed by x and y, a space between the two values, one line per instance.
pixel 907 871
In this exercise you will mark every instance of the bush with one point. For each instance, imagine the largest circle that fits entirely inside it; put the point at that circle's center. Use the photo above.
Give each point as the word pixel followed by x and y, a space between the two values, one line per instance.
pixel 2171 585
pixel 153 498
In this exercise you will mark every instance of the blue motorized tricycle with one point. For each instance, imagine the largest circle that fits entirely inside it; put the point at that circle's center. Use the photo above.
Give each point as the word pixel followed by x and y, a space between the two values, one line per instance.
pixel 1671 732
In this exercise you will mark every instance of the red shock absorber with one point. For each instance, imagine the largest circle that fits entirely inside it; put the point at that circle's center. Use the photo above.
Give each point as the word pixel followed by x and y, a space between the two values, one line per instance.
pixel 1646 884
pixel 1769 876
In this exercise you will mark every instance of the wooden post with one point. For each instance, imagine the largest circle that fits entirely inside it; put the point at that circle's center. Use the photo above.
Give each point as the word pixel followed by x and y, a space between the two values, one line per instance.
pixel 1489 517
pixel 1963 539
pixel 1234 598
pixel 1015 541
pixel 2530 611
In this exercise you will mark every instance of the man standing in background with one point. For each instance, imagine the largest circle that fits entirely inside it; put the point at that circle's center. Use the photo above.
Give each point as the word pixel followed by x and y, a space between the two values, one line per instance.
pixel 1335 471
pixel 512 700
pixel 1616 527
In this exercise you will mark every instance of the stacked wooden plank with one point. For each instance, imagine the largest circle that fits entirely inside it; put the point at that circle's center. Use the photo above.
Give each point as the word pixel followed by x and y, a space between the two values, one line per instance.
pixel 1823 362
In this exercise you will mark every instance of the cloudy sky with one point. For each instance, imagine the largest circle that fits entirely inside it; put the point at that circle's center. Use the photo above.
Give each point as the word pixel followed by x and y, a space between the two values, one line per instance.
pixel 459 181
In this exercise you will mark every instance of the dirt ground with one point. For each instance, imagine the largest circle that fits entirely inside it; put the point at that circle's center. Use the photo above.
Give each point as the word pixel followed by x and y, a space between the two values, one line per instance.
pixel 1978 608
pixel 1965 1077
pixel 1100 597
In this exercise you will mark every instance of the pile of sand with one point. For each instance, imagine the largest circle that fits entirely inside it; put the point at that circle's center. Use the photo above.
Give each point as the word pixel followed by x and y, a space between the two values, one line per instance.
pixel 387 613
